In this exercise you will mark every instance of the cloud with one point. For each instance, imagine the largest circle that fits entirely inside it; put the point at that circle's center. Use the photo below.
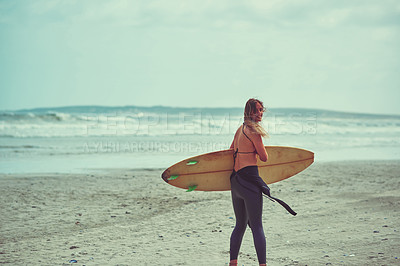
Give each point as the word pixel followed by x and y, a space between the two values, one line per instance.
pixel 234 15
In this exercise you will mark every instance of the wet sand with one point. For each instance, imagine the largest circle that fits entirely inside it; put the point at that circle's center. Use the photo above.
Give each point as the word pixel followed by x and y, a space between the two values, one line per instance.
pixel 348 214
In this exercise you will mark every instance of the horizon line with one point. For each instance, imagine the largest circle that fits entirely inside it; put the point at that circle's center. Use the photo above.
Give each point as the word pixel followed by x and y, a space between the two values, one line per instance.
pixel 196 107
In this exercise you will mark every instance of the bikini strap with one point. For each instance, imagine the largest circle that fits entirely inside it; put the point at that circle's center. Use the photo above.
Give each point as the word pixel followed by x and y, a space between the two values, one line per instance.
pixel 248 138
pixel 237 149
pixel 234 157
pixel 245 133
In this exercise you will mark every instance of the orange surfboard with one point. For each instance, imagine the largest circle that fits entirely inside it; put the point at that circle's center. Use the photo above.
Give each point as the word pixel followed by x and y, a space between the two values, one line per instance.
pixel 211 171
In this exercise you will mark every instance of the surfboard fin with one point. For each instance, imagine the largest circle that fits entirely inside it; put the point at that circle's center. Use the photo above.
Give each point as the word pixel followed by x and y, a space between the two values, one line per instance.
pixel 191 188
pixel 172 177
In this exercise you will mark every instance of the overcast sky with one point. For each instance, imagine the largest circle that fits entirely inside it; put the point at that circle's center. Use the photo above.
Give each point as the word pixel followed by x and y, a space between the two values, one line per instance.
pixel 338 55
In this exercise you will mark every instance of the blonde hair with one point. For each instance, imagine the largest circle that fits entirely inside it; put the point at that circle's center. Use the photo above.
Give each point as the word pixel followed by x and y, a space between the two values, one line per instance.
pixel 254 126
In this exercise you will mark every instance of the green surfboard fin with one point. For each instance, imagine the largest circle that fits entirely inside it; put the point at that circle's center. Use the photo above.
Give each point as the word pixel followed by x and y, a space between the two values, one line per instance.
pixel 191 188
pixel 172 177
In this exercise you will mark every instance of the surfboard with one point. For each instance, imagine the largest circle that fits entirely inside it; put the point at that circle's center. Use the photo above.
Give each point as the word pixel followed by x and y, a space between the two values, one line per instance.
pixel 211 171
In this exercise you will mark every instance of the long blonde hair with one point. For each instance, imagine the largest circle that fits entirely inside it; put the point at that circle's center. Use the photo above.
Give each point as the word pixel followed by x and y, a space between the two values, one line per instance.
pixel 254 126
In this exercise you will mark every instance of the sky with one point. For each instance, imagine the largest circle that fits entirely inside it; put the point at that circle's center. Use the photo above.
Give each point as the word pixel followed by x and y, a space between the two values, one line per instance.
pixel 337 55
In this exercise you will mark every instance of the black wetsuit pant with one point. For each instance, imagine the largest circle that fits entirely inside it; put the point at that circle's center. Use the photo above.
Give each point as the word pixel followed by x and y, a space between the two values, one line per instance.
pixel 247 202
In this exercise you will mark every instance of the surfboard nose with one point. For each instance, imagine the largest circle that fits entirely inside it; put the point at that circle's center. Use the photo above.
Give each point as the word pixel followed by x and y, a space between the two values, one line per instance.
pixel 165 175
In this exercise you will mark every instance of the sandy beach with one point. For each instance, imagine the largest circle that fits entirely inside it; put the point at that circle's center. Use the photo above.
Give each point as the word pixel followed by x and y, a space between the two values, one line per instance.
pixel 348 214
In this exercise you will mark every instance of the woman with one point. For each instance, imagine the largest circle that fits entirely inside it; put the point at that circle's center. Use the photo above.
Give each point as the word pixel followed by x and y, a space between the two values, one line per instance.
pixel 246 184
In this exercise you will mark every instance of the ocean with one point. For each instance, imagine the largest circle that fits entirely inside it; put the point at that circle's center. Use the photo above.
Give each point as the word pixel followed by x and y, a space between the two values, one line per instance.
pixel 89 138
